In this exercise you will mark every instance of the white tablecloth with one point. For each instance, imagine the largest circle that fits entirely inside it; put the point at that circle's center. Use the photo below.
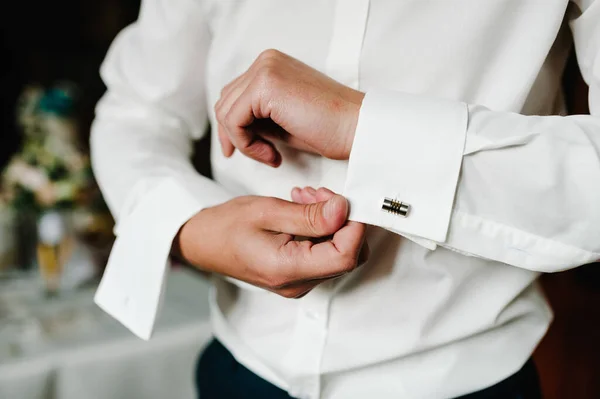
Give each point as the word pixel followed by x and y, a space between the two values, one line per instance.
pixel 96 358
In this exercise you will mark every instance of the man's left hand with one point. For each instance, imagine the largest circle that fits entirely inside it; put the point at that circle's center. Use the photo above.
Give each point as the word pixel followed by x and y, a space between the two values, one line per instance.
pixel 281 99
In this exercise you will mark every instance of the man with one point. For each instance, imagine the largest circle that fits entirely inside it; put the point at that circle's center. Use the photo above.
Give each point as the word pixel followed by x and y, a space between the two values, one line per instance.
pixel 431 120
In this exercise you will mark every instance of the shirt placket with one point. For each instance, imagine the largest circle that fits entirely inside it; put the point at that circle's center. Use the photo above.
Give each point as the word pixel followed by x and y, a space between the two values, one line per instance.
pixel 343 65
pixel 310 335
pixel 304 358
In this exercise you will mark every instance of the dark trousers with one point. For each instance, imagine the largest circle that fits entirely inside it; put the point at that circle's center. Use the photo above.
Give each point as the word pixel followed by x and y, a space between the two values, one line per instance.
pixel 220 376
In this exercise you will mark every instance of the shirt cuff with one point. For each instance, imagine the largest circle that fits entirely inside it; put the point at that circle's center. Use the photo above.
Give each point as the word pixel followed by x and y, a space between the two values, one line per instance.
pixel 132 284
pixel 408 148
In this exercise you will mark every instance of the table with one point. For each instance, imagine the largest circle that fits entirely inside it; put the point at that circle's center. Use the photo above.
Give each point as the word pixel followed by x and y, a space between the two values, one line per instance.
pixel 78 352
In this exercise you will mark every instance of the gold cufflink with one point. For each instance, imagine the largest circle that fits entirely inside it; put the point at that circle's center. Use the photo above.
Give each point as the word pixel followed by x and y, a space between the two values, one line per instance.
pixel 396 207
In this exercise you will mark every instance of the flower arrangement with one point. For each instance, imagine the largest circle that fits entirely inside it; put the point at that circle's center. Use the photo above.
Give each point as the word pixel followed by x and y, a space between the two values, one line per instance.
pixel 51 171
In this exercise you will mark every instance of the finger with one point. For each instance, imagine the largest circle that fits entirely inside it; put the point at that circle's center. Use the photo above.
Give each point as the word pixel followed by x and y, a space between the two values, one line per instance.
pixel 302 295
pixel 302 196
pixel 350 238
pixel 299 289
pixel 240 116
pixel 323 194
pixel 229 95
pixel 308 220
pixel 273 133
pixel 344 239
pixel 226 146
pixel 282 277
pixel 328 259
pixel 295 292
pixel 309 196
pixel 226 91
pixel 297 195
pixel 279 135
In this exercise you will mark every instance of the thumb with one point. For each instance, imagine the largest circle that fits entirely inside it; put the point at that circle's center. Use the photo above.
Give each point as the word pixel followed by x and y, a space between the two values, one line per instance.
pixel 318 219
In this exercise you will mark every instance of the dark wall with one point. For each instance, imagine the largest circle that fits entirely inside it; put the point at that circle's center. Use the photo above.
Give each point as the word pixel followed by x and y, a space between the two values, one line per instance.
pixel 45 41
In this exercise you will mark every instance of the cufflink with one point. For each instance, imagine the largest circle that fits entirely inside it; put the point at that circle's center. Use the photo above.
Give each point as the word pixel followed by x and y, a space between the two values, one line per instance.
pixel 396 207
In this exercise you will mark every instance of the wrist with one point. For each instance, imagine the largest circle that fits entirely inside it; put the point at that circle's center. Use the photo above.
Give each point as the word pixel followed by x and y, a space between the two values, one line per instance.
pixel 186 246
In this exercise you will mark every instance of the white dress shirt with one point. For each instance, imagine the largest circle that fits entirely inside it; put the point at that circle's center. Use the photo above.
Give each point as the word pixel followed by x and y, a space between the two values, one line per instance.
pixel 457 122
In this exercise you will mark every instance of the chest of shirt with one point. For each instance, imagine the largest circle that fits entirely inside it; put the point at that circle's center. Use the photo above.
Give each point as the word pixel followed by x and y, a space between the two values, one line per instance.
pixel 485 52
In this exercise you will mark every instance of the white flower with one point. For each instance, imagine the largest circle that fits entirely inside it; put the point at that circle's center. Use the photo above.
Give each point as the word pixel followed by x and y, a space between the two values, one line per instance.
pixel 27 176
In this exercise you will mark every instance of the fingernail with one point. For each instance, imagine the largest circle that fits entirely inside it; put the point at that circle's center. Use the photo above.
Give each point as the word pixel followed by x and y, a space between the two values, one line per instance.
pixel 331 206
pixel 275 161
pixel 311 191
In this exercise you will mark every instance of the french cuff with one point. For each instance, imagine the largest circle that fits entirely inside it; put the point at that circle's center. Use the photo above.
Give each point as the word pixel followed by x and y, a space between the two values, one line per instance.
pixel 409 149
pixel 132 284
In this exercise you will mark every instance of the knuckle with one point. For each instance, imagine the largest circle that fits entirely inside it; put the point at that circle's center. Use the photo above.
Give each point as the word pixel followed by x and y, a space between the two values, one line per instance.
pixel 220 113
pixel 267 73
pixel 225 89
pixel 227 118
pixel 269 54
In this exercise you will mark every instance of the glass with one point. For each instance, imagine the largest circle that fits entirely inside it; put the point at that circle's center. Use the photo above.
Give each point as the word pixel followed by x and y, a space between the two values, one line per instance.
pixel 53 249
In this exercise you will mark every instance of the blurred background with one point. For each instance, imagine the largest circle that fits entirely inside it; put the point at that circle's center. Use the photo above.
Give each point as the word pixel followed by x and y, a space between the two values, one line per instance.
pixel 56 233
pixel 55 229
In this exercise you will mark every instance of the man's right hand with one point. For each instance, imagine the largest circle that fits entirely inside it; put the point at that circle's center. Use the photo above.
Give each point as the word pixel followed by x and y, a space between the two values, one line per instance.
pixel 251 239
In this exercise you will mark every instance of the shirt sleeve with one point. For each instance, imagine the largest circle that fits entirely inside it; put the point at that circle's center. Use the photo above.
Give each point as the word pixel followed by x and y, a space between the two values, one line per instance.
pixel 141 144
pixel 522 190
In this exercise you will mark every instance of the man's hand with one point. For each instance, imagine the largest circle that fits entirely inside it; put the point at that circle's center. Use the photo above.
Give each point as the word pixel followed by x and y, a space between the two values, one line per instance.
pixel 252 239
pixel 308 195
pixel 281 99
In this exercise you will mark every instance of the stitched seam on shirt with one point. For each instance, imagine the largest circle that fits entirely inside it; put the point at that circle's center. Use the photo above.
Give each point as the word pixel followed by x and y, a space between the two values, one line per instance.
pixel 533 237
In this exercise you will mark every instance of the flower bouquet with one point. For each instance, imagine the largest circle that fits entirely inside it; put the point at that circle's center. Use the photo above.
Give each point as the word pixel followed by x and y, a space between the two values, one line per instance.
pixel 50 182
